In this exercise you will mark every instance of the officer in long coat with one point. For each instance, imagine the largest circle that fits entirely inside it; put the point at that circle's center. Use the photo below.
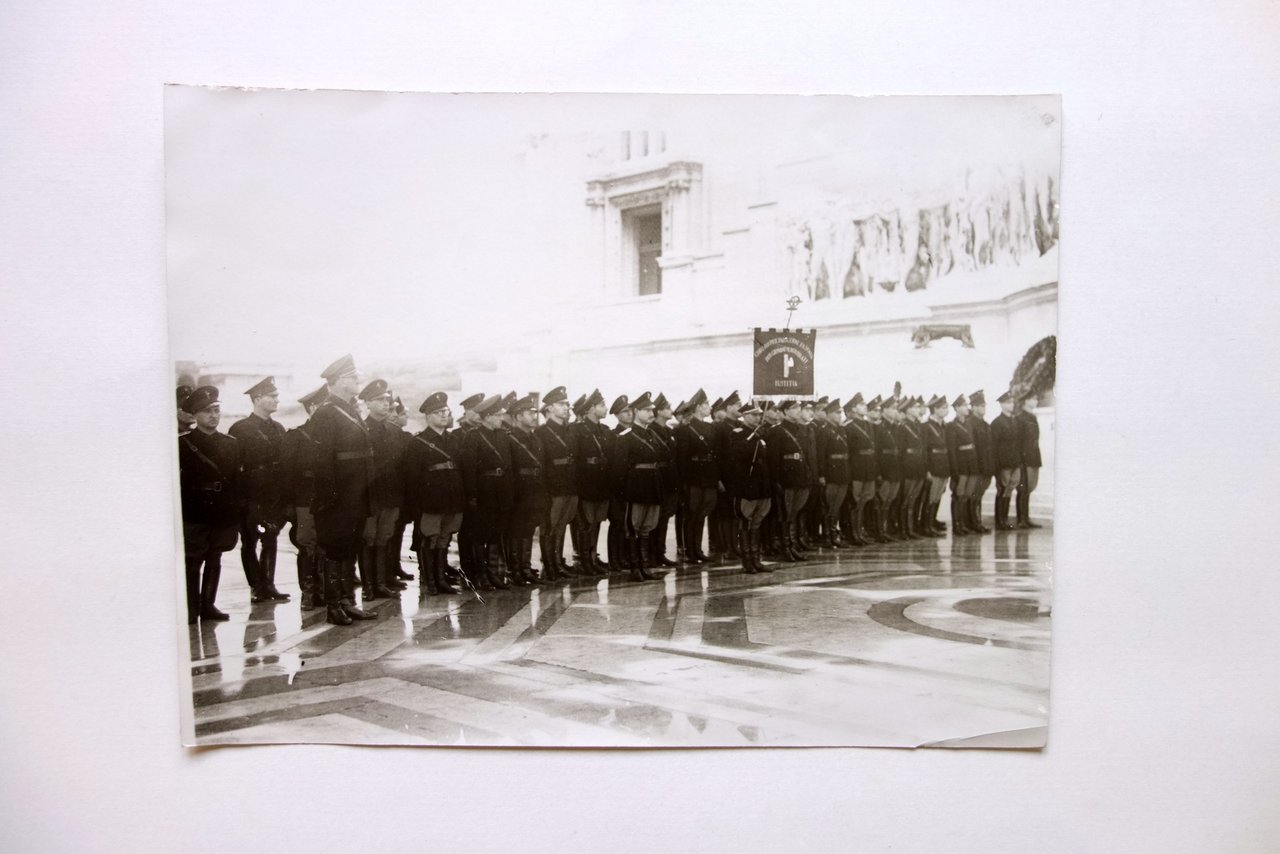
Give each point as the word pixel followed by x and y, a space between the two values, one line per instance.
pixel 486 471
pixel 262 510
pixel 1029 441
pixel 434 492
pixel 208 474
pixel 635 460
pixel 297 470
pixel 1007 449
pixel 343 471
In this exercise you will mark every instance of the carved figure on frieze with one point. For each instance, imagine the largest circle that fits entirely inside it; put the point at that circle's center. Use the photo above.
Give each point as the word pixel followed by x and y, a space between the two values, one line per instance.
pixel 923 336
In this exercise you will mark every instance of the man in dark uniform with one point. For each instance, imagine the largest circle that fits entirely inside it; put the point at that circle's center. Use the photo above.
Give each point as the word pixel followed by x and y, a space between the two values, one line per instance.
pixel 939 464
pixel 833 472
pixel 1007 450
pixel 791 472
pixel 963 456
pixel 343 468
pixel 669 470
pixel 888 469
pixel 914 466
pixel 531 477
pixel 1029 441
pixel 297 469
pixel 208 473
pixel 186 421
pixel 772 530
pixel 620 557
pixel 986 458
pixel 698 461
pixel 486 471
pixel 860 434
pixel 681 417
pixel 750 485
pixel 806 529
pixel 559 468
pixel 434 493
pixel 262 511
pixel 635 467
pixel 386 494
pixel 591 443
pixel 468 421
pixel 398 420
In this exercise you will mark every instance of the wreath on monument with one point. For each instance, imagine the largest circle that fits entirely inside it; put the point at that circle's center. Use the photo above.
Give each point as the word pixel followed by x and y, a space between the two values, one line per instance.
pixel 1038 370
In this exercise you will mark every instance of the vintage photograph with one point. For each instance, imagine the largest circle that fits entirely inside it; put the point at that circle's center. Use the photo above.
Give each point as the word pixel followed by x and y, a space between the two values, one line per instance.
pixel 613 420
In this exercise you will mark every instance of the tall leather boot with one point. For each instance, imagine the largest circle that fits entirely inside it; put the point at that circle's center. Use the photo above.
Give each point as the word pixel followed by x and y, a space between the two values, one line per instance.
pixel 692 537
pixel 790 544
pixel 308 580
pixel 644 557
pixel 334 571
pixel 440 565
pixel 755 538
pixel 958 527
pixel 193 589
pixel 523 567
pixel 660 544
pixel 748 557
pixel 680 525
pixel 387 567
pixel 975 515
pixel 491 570
pixel 258 591
pixel 575 540
pixel 426 572
pixel 349 595
pixel 1025 499
pixel 574 571
pixel 209 590
pixel 593 542
pixel 375 565
pixel 267 567
pixel 1003 522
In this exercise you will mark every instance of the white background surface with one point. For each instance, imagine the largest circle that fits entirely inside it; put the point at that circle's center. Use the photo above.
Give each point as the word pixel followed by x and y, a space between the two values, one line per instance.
pixel 1164 711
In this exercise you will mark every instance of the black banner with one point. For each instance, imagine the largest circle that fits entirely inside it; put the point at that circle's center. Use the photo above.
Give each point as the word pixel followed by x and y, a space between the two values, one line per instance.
pixel 783 362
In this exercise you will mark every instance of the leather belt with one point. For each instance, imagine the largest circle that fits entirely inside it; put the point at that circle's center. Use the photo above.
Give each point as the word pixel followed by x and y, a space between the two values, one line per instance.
pixel 793 456
pixel 838 456
pixel 937 450
pixel 866 452
pixel 441 467
pixel 492 473
pixel 965 448
pixel 645 466
pixel 912 451
pixel 353 455
pixel 592 461
pixel 527 471
pixel 562 461
pixel 703 459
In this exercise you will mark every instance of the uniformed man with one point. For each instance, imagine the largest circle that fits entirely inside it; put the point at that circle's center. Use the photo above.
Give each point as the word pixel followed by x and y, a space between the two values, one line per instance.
pixel 806 524
pixel 888 471
pixel 963 456
pixel 595 487
pixel 386 494
pixel 986 458
pixel 1029 441
pixel 698 461
pixel 833 472
pixel 468 421
pixel 750 485
pixel 398 420
pixel 620 556
pixel 560 470
pixel 668 468
pixel 297 469
pixel 343 466
pixel 772 530
pixel 790 469
pixel 914 466
pixel 486 471
pixel 1007 450
pixel 209 473
pixel 531 478
pixel 260 437
pixel 186 421
pixel 939 464
pixel 434 493
pixel 635 461
pixel 860 435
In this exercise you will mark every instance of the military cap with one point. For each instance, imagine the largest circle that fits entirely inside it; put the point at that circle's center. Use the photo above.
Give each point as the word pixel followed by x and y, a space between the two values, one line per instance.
pixel 1006 397
pixel 578 405
pixel 833 407
pixel 472 402
pixel 528 403
pixel 183 392
pixel 822 401
pixel 398 406
pixel 200 399
pixel 851 405
pixel 978 398
pixel 732 399
pixel 556 395
pixel 751 408
pixel 875 403
pixel 345 366
pixel 937 401
pixel 314 397
pixel 642 402
pixel 438 400
pixel 892 403
pixel 718 405
pixel 375 390
pixel 594 399
pixel 267 386
pixel 660 402
pixel 680 408
pixel 619 405
pixel 788 404
pixel 508 399
pixel 491 406
pixel 699 398
pixel 856 399
pixel 960 401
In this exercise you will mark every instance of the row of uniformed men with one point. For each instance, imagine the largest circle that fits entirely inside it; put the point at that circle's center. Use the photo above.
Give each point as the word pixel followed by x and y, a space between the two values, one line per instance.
pixel 773 480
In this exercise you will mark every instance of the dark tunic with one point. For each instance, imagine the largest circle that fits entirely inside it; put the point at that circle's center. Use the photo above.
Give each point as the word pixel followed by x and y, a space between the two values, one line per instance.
pixel 1005 441
pixel 558 458
pixel 343 470
pixel 861 439
pixel 749 464
pixel 888 464
pixel 386 488
pixel 981 431
pixel 1029 439
pixel 635 465
pixel 531 478
pixel 209 477
pixel 787 462
pixel 297 466
pixel 698 454
pixel 486 468
pixel 938 458
pixel 591 443
pixel 433 473
pixel 961 450
pixel 261 485
pixel 911 446
pixel 833 455
pixel 667 466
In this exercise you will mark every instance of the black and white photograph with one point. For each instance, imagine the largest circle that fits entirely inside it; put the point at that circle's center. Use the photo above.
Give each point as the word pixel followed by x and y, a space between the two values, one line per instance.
pixel 503 422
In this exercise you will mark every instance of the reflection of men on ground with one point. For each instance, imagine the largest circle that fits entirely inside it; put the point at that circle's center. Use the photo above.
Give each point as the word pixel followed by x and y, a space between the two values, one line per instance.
pixel 344 460
pixel 1008 457
pixel 209 471
pixel 261 439
pixel 1029 439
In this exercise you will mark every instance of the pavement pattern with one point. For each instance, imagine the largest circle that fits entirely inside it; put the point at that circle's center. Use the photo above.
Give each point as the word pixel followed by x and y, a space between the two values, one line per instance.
pixel 924 643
